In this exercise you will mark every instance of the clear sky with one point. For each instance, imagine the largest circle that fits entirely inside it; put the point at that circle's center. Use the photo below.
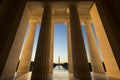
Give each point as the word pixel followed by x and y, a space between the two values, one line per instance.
pixel 35 41
pixel 60 42
pixel 85 41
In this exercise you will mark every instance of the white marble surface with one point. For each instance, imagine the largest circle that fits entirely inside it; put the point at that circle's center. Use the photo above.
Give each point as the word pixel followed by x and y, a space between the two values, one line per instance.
pixel 59 73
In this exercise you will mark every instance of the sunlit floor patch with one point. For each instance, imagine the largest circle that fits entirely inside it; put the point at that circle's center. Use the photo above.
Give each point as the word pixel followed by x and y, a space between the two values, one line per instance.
pixel 59 73
pixel 26 76
pixel 64 75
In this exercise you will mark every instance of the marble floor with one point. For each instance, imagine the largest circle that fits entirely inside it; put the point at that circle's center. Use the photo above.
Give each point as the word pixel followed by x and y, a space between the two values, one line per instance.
pixel 59 73
pixel 64 75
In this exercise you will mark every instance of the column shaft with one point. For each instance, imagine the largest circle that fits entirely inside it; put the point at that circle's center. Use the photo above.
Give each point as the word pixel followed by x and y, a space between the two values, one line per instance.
pixel 12 35
pixel 93 49
pixel 51 48
pixel 25 60
pixel 70 63
pixel 42 63
pixel 80 63
pixel 105 38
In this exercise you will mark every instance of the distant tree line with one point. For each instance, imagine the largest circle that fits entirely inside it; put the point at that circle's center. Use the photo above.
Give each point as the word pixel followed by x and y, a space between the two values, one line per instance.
pixel 64 65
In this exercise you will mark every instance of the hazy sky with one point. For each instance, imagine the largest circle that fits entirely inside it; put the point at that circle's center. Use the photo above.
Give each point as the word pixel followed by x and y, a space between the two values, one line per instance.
pixel 60 42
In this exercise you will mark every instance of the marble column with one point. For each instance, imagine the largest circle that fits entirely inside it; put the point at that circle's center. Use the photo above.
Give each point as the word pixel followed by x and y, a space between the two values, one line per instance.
pixel 70 63
pixel 25 60
pixel 80 63
pixel 12 32
pixel 42 59
pixel 95 59
pixel 110 24
pixel 51 47
pixel 105 37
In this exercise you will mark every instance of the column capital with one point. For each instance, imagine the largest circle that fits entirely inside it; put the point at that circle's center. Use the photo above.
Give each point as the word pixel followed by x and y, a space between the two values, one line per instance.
pixel 34 20
pixel 67 23
pixel 53 21
pixel 84 21
pixel 47 4
pixel 87 21
pixel 72 4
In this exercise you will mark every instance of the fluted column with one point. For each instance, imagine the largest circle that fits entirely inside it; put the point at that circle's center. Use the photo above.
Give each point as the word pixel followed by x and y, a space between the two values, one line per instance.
pixel 105 37
pixel 42 63
pixel 80 63
pixel 12 33
pixel 51 47
pixel 70 63
pixel 93 49
pixel 25 60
